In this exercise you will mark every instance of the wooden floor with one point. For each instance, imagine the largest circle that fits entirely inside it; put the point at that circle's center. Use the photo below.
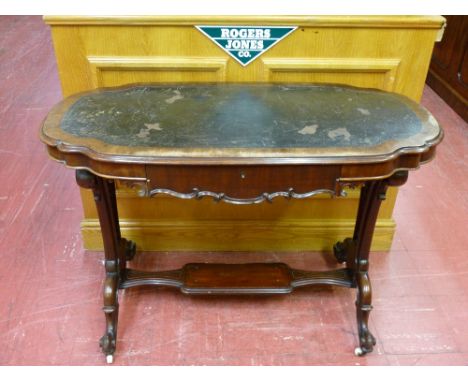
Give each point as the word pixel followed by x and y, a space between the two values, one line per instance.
pixel 50 300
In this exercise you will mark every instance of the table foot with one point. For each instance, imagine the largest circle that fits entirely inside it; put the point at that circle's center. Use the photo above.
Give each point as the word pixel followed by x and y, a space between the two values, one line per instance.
pixel 107 344
pixel 366 339
pixel 359 352
pixel 110 358
pixel 111 310
pixel 363 309
pixel 367 342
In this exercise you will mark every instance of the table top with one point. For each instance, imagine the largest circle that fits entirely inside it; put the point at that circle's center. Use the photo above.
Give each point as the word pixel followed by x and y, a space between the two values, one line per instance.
pixel 245 122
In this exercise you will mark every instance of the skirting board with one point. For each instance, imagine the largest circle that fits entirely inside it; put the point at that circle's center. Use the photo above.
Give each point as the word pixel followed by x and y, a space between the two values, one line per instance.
pixel 252 235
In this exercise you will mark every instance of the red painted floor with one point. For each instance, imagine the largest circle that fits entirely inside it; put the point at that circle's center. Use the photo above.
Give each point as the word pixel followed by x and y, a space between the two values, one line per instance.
pixel 50 300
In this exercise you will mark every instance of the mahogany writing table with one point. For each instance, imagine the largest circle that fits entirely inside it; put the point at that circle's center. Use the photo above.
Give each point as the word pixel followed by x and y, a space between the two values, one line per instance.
pixel 240 144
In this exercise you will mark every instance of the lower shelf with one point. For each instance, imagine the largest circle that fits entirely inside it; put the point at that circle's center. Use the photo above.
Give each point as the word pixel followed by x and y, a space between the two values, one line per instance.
pixel 253 278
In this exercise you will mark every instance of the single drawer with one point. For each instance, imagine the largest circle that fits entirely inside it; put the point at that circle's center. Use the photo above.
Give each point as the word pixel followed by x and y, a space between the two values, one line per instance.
pixel 242 182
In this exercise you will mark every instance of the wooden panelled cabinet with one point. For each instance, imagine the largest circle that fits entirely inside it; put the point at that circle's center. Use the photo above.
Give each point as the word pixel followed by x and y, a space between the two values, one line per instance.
pixel 448 73
pixel 385 52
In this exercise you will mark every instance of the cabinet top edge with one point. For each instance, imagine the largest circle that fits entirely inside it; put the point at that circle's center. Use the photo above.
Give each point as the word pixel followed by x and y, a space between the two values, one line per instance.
pixel 429 22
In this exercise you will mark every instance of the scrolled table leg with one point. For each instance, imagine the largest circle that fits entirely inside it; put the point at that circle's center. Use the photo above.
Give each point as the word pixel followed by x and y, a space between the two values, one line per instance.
pixel 358 248
pixel 115 250
pixel 372 195
pixel 108 341
pixel 363 309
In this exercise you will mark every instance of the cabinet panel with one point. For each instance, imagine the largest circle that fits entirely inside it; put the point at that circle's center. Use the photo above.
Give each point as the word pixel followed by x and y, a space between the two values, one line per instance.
pixel 116 70
pixel 448 74
pixel 363 72
pixel 446 49
pixel 463 68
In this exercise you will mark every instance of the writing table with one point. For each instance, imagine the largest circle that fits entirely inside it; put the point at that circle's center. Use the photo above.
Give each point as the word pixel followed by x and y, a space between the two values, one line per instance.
pixel 240 144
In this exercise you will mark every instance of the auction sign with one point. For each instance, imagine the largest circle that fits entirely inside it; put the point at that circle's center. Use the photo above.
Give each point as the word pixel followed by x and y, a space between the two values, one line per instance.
pixel 245 43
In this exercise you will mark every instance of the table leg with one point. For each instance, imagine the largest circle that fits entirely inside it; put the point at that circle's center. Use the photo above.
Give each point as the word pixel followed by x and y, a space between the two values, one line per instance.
pixel 116 249
pixel 127 246
pixel 372 194
pixel 355 252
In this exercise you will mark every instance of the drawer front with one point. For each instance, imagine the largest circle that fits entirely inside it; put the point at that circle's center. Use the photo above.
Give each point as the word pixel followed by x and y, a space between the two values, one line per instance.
pixel 243 181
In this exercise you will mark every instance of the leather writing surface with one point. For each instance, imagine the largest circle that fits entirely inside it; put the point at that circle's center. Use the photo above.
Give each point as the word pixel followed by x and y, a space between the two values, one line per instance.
pixel 242 116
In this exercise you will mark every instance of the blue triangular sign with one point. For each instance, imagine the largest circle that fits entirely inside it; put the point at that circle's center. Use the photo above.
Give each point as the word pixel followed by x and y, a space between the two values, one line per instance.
pixel 245 43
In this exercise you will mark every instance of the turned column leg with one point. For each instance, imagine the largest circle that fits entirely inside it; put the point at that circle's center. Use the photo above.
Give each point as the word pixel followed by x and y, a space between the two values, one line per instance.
pixel 114 250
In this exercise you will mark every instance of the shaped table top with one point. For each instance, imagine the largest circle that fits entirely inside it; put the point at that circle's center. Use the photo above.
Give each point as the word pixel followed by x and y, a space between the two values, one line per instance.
pixel 310 123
